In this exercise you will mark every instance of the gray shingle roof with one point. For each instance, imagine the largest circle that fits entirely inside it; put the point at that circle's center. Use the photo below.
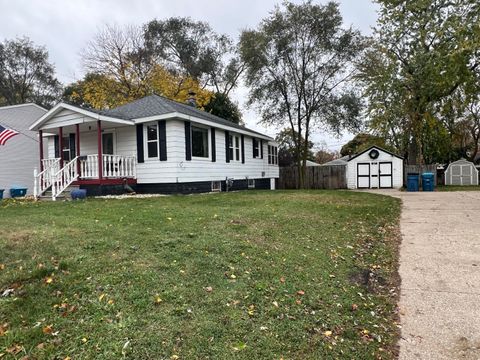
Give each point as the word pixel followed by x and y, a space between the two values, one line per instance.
pixel 154 105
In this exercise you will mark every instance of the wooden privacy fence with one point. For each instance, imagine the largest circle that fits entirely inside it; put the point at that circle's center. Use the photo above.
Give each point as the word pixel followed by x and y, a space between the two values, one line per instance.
pixel 317 177
pixel 419 169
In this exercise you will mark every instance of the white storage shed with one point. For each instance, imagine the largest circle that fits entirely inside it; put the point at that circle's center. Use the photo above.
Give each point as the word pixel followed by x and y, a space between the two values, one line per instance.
pixel 374 168
pixel 461 172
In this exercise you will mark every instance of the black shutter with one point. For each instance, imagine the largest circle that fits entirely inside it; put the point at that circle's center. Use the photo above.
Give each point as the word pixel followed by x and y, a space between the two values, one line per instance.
pixel 261 149
pixel 214 150
pixel 227 150
pixel 72 146
pixel 242 142
pixel 56 146
pixel 188 141
pixel 140 143
pixel 253 148
pixel 162 136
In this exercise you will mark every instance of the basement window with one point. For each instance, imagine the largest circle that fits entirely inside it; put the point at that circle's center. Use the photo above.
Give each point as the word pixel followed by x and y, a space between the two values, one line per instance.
pixel 251 183
pixel 216 186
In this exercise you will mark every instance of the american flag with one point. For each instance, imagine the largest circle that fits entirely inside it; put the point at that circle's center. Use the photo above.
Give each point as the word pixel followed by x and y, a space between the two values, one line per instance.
pixel 6 134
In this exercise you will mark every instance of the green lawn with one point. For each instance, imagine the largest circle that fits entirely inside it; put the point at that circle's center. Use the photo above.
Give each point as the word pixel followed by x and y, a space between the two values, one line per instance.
pixel 247 275
pixel 457 188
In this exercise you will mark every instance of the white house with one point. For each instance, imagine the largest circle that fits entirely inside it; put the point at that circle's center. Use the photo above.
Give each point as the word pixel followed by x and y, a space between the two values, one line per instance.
pixel 373 168
pixel 19 155
pixel 155 145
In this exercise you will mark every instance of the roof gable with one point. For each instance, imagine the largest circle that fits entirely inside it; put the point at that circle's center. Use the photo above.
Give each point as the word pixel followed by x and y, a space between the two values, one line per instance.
pixel 377 148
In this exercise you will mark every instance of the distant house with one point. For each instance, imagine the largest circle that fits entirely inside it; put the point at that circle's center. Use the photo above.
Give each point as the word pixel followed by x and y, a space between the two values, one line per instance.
pixel 19 155
pixel 371 169
pixel 155 145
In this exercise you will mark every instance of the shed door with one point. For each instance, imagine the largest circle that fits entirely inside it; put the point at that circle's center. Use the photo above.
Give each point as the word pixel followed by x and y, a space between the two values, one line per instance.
pixel 385 173
pixel 467 175
pixel 363 175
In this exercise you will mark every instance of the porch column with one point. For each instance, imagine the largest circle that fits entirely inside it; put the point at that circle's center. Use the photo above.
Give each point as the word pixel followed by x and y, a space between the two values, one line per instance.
pixel 60 145
pixel 40 142
pixel 77 144
pixel 99 143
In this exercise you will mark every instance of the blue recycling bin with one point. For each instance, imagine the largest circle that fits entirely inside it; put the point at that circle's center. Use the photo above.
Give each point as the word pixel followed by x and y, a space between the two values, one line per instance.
pixel 412 182
pixel 18 192
pixel 1 193
pixel 428 181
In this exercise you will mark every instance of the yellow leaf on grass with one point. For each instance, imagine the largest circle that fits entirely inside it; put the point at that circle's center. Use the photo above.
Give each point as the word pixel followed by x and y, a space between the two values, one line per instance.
pixel 100 298
pixel 48 280
pixel 48 329
pixel 327 333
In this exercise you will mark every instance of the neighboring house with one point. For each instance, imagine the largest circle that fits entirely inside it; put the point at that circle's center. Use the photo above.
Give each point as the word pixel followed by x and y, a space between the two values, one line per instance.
pixel 371 169
pixel 19 155
pixel 311 163
pixel 155 145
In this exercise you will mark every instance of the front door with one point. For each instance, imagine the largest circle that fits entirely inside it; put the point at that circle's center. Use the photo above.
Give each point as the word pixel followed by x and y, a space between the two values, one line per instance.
pixel 363 175
pixel 108 143
pixel 386 175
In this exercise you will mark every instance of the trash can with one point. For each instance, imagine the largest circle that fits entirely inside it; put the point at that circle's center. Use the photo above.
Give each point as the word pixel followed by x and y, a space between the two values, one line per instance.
pixel 412 182
pixel 17 192
pixel 1 193
pixel 428 181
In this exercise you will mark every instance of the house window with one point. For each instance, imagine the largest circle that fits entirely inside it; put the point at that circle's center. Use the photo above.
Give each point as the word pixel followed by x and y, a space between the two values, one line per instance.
pixel 272 155
pixel 199 142
pixel 216 186
pixel 256 148
pixel 251 183
pixel 152 141
pixel 234 147
pixel 66 149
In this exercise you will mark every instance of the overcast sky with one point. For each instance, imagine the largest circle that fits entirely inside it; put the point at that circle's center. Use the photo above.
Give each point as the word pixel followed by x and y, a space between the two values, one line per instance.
pixel 64 27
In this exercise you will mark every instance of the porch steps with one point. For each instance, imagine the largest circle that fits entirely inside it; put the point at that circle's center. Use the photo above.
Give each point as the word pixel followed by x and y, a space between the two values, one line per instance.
pixel 65 195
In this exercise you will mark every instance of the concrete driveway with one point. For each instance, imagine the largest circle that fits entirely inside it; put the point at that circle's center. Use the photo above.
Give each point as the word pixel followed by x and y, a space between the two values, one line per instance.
pixel 440 272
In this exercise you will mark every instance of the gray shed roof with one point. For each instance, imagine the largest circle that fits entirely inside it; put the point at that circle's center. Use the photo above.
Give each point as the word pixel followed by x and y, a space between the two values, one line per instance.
pixel 341 161
pixel 154 105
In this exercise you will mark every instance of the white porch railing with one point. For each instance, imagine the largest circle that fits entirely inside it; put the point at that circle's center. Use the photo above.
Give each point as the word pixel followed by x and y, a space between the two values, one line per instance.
pixel 113 166
pixel 88 167
pixel 81 167
pixel 117 166
pixel 64 177
pixel 43 180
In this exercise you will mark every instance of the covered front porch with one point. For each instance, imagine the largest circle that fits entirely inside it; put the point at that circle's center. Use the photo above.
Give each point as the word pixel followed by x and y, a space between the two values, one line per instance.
pixel 79 149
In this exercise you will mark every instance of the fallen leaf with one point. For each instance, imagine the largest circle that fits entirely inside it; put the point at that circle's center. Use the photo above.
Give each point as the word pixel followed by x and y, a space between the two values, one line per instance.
pixel 48 280
pixel 110 302
pixel 282 279
pixel 354 307
pixel 14 350
pixel 41 346
pixel 2 266
pixel 3 329
pixel 47 329
pixel 84 340
pixel 100 298
pixel 169 218
pixel 239 346
pixel 208 289
pixel 275 304
pixel 327 333
pixel 300 292
pixel 158 299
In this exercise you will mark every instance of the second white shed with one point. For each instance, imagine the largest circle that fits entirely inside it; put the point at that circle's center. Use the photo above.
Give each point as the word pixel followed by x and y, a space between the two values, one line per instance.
pixel 461 172
pixel 375 168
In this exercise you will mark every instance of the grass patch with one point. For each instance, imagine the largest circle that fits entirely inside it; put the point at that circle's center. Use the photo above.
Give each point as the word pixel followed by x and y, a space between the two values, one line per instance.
pixel 457 188
pixel 247 275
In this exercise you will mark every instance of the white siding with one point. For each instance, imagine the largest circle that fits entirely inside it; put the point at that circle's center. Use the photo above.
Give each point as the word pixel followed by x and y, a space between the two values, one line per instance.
pixel 20 155
pixel 397 168
pixel 176 168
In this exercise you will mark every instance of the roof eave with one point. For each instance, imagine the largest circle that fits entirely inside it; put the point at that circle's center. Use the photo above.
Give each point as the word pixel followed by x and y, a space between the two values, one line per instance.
pixel 52 112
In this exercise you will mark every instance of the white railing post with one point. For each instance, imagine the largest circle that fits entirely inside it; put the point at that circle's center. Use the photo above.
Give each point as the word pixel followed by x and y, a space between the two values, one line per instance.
pixel 35 183
pixel 54 185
